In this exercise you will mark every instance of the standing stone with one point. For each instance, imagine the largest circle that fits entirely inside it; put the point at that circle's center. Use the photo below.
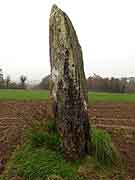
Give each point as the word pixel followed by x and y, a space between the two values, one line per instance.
pixel 68 87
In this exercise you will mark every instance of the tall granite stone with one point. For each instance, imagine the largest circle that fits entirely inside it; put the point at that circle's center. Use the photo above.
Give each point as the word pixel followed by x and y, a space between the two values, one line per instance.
pixel 68 86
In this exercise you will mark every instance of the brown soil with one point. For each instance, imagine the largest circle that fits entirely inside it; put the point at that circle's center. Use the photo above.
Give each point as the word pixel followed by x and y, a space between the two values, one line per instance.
pixel 14 118
pixel 117 119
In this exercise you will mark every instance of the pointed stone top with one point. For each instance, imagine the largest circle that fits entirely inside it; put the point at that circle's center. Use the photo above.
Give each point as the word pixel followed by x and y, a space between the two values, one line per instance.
pixel 54 8
pixel 55 11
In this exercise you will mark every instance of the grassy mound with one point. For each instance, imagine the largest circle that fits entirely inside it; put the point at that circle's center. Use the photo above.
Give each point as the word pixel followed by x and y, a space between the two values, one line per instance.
pixel 41 158
pixel 33 163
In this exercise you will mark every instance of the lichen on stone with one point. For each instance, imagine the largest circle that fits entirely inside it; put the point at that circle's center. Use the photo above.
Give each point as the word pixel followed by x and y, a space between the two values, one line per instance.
pixel 69 88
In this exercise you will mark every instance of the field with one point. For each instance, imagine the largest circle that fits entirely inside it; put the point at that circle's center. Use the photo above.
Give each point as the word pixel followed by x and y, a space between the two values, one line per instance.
pixel 20 95
pixel 112 112
pixel 38 95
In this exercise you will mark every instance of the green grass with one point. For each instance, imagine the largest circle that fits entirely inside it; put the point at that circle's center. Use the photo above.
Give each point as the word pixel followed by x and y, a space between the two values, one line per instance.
pixel 37 95
pixel 41 158
pixel 24 95
pixel 111 97
pixel 40 163
pixel 33 163
pixel 38 159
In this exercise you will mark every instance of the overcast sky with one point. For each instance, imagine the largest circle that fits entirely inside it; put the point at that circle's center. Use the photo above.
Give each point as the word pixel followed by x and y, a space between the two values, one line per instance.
pixel 105 28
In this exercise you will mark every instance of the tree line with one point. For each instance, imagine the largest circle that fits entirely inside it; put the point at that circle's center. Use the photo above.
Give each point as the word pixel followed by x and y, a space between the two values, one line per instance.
pixel 94 83
pixel 100 84
pixel 7 83
pixel 114 85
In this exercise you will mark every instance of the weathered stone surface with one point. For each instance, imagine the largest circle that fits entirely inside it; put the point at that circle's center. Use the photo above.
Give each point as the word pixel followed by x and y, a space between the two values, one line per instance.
pixel 68 85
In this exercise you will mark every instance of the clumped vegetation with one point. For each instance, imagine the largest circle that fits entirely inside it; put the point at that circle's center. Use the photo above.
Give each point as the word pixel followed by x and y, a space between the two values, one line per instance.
pixel 49 139
pixel 40 163
pixel 103 148
pixel 41 157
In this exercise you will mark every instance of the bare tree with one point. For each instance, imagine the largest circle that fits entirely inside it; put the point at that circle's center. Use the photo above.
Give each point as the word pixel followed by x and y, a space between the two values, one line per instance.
pixel 1 74
pixel 7 81
pixel 23 81
pixel 1 79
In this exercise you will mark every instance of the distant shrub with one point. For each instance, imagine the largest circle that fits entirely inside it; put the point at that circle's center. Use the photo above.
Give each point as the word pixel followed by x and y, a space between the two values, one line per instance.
pixel 103 148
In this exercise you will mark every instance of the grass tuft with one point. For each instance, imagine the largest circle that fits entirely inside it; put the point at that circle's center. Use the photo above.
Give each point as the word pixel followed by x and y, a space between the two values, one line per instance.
pixel 103 148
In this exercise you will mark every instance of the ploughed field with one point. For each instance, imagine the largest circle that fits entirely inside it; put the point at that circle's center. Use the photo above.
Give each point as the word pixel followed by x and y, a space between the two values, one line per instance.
pixel 118 118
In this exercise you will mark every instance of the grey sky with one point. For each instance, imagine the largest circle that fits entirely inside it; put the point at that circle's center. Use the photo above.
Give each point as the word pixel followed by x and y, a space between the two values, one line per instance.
pixel 106 31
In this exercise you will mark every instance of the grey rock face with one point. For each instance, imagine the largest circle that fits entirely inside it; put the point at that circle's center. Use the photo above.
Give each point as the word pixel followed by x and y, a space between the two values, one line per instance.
pixel 68 85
